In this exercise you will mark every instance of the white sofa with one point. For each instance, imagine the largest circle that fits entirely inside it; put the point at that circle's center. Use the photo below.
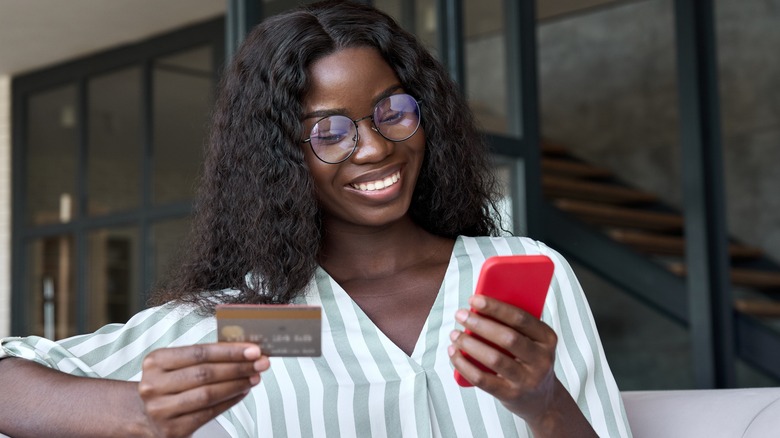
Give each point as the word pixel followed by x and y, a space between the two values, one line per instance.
pixel 719 413
pixel 741 413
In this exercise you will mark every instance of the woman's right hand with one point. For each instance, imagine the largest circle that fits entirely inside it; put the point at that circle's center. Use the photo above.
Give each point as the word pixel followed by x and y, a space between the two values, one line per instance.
pixel 183 388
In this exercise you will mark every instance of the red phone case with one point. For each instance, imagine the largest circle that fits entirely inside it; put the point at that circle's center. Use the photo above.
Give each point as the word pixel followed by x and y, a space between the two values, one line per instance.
pixel 520 280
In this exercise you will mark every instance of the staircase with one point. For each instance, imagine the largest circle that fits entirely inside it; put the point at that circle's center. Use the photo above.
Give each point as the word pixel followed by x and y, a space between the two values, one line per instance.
pixel 636 231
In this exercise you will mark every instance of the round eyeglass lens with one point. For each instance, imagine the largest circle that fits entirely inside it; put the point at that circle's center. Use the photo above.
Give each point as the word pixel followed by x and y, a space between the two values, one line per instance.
pixel 333 138
pixel 397 117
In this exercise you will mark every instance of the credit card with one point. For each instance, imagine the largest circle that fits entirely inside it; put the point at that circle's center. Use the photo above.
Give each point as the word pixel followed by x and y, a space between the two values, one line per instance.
pixel 279 329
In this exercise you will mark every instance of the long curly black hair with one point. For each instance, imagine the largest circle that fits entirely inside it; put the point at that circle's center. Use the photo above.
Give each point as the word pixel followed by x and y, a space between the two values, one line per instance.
pixel 257 226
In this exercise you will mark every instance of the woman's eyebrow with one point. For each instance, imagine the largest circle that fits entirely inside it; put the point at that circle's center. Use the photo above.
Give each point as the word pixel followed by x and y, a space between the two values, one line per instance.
pixel 324 113
pixel 389 91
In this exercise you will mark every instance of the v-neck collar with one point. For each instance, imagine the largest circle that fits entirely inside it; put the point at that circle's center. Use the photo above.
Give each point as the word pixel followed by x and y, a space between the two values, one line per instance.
pixel 342 298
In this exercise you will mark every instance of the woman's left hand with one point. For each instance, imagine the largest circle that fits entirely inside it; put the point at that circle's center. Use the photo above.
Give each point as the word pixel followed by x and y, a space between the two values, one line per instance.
pixel 525 380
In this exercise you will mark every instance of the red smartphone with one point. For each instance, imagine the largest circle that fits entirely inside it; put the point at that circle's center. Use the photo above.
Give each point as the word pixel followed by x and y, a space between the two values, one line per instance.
pixel 519 280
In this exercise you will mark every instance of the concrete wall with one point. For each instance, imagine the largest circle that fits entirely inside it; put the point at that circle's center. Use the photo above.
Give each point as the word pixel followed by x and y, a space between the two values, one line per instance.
pixel 748 43
pixel 608 88
pixel 609 92
pixel 5 206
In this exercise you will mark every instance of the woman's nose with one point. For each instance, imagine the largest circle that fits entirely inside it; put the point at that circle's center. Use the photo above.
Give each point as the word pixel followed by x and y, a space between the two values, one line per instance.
pixel 371 146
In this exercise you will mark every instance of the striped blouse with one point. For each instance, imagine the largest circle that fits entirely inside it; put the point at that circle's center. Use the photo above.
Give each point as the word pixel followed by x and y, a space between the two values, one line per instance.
pixel 363 384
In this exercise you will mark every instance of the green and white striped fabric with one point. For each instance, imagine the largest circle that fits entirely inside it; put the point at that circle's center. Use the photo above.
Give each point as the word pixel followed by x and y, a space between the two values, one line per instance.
pixel 363 384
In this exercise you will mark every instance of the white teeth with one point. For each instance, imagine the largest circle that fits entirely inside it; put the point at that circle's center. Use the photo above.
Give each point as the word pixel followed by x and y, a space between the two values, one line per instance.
pixel 378 184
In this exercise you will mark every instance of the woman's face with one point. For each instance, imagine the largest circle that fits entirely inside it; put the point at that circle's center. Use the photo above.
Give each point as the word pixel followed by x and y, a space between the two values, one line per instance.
pixel 351 82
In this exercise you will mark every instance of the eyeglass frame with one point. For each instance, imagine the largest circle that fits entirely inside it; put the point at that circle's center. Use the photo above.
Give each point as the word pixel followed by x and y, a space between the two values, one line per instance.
pixel 356 139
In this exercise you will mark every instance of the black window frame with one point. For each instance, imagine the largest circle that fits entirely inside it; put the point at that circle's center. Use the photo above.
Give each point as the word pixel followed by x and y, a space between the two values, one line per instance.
pixel 78 72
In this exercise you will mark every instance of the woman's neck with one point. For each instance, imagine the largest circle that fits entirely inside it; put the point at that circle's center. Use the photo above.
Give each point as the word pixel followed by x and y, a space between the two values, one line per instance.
pixel 360 253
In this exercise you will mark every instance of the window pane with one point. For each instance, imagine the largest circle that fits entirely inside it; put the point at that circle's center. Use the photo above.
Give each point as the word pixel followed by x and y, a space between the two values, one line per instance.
pixel 485 63
pixel 748 37
pixel 168 237
pixel 608 96
pixel 512 199
pixel 608 92
pixel 182 101
pixel 50 289
pixel 52 148
pixel 273 7
pixel 645 350
pixel 749 77
pixel 113 164
pixel 418 17
pixel 112 277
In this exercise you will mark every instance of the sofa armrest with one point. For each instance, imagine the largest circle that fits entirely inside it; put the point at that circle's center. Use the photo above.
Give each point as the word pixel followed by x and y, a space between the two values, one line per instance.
pixel 747 413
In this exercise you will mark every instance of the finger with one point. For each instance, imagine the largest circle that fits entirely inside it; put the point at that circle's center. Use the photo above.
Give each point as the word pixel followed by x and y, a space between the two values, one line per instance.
pixel 200 375
pixel 514 342
pixel 470 371
pixel 512 316
pixel 186 425
pixel 511 375
pixel 494 359
pixel 179 357
pixel 197 399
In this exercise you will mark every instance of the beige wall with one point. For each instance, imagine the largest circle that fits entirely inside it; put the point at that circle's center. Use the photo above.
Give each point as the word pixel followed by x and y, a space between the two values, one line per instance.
pixel 5 206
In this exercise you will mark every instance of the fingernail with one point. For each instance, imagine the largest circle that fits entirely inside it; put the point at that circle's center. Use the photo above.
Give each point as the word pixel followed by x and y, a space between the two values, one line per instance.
pixel 477 302
pixel 451 350
pixel 454 335
pixel 252 352
pixel 461 315
pixel 255 379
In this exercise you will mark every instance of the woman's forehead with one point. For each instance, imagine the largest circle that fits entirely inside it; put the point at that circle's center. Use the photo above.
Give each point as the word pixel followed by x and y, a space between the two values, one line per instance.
pixel 348 77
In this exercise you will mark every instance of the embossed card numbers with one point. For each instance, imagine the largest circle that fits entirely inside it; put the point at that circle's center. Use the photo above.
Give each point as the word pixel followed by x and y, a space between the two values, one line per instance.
pixel 280 330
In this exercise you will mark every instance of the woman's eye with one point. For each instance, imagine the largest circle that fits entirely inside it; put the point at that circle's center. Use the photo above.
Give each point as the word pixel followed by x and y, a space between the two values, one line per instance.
pixel 330 138
pixel 392 117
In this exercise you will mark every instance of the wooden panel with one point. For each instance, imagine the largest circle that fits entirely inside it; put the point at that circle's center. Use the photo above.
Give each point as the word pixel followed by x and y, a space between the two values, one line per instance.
pixel 758 279
pixel 554 186
pixel 606 214
pixel 758 307
pixel 549 148
pixel 671 245
pixel 574 169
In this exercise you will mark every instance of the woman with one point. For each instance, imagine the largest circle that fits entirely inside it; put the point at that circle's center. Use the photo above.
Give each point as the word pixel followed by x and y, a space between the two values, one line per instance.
pixel 344 170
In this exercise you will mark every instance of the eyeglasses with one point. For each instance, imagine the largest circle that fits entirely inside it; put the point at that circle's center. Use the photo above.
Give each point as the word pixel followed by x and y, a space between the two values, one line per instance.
pixel 333 139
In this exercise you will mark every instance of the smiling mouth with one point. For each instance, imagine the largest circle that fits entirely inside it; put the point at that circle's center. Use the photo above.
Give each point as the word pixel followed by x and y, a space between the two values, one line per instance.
pixel 378 184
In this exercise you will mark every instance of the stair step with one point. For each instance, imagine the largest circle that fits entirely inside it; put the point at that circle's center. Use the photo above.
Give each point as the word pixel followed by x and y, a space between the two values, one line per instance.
pixel 671 245
pixel 549 148
pixel 755 278
pixel 605 214
pixel 559 187
pixel 758 307
pixel 574 169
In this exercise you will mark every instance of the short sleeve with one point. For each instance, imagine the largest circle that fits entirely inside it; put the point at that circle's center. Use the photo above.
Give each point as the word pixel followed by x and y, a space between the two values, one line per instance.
pixel 116 351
